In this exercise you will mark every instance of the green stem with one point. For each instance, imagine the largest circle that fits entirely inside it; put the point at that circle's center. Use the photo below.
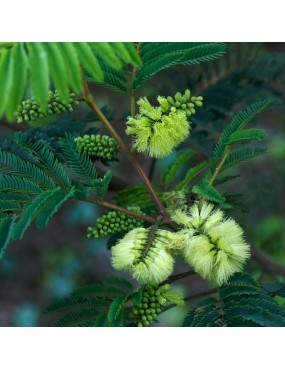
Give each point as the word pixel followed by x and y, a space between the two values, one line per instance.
pixel 217 171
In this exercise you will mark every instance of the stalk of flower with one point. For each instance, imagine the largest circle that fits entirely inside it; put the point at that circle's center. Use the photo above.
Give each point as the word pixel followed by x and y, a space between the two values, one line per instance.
pixel 212 244
pixel 145 255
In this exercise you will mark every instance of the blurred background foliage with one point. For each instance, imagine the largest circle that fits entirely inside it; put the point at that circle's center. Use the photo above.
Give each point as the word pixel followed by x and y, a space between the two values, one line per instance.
pixel 51 263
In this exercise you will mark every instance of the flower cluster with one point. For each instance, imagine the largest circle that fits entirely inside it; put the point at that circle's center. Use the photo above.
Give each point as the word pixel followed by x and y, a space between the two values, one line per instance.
pixel 154 298
pixel 30 110
pixel 98 146
pixel 145 255
pixel 113 222
pixel 212 244
pixel 158 130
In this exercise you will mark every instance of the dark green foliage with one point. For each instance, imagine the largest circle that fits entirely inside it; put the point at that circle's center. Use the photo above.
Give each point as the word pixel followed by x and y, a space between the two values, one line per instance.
pixel 174 167
pixel 59 63
pixel 247 135
pixel 78 161
pixel 207 191
pixel 55 201
pixel 116 307
pixel 241 303
pixel 159 56
pixel 113 222
pixel 94 305
pixel 274 289
pixel 135 195
pixel 190 175
pixel 240 155
pixel 233 128
pixel 6 227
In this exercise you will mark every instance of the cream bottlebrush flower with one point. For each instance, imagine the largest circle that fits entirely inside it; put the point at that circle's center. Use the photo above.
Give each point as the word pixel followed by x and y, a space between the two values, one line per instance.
pixel 148 261
pixel 211 244
pixel 157 133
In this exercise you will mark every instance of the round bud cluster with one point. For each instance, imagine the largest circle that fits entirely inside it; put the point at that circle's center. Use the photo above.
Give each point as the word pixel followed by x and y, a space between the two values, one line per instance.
pixel 181 102
pixel 113 222
pixel 151 305
pixel 98 146
pixel 30 110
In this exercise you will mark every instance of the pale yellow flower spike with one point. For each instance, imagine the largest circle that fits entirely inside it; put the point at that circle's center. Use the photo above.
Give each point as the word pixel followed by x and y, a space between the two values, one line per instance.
pixel 150 266
pixel 213 246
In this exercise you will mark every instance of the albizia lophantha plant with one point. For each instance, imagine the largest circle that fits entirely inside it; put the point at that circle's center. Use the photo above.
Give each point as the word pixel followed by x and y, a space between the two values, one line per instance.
pixel 151 226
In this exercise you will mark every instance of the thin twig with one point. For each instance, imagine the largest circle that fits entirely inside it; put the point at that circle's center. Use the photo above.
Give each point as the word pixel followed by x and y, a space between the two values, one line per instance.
pixel 133 159
pixel 182 275
pixel 115 207
pixel 267 263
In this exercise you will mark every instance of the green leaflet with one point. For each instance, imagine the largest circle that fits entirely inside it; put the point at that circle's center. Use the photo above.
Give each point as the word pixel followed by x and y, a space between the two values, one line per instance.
pixel 241 155
pixel 117 281
pixel 76 318
pixel 116 307
pixel 20 69
pixel 55 202
pixel 98 289
pixel 39 69
pixel 30 212
pixel 247 135
pixel 6 78
pixel 101 185
pixel 10 164
pixel 136 297
pixel 6 227
pixel 105 50
pixel 172 169
pixel 89 61
pixel 73 71
pixel 101 320
pixel 171 54
pixel 190 175
pixel 18 184
pixel 79 162
pixel 8 205
pixel 57 68
pixel 207 191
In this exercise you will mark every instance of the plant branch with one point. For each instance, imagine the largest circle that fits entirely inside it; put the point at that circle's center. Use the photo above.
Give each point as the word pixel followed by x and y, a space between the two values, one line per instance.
pixel 115 207
pixel 267 263
pixel 133 159
pixel 192 297
pixel 182 275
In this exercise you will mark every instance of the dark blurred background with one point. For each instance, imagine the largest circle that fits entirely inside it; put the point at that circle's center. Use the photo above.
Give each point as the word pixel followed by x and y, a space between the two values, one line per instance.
pixel 51 263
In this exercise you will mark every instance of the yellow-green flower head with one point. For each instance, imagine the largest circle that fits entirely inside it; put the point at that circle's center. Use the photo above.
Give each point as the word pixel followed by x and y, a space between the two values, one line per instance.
pixel 157 133
pixel 147 260
pixel 211 244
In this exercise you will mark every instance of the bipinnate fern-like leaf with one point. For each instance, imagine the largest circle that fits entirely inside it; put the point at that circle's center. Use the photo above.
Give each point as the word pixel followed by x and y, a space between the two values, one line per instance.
pixel 6 227
pixel 159 56
pixel 233 130
pixel 240 155
pixel 77 160
pixel 241 303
